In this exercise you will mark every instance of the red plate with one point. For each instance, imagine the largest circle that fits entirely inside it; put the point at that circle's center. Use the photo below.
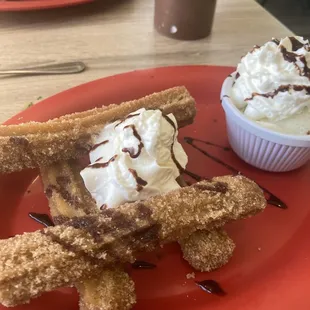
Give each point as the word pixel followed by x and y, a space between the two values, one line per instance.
pixel 270 268
pixel 27 5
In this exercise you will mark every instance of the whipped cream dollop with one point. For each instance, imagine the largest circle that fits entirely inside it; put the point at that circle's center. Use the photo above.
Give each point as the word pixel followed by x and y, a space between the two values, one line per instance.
pixel 272 85
pixel 134 159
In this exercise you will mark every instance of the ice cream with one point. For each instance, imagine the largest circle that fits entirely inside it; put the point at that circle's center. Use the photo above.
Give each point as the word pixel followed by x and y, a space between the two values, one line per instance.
pixel 272 85
pixel 134 159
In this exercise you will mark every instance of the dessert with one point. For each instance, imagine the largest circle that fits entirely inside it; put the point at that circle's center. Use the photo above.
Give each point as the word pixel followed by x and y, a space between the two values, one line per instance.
pixel 132 199
pixel 33 144
pixel 70 197
pixel 140 157
pixel 206 251
pixel 69 252
pixel 134 159
pixel 272 85
pixel 112 288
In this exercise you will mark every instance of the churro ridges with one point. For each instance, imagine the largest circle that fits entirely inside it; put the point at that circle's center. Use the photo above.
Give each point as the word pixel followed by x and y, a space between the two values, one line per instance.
pixel 30 145
pixel 207 250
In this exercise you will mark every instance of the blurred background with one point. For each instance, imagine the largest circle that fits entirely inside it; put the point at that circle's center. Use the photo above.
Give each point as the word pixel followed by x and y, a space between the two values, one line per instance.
pixel 292 13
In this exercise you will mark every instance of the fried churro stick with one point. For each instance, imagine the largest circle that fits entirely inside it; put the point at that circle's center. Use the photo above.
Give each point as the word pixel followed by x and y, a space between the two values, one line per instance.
pixel 111 288
pixel 66 192
pixel 204 250
pixel 207 250
pixel 59 256
pixel 33 144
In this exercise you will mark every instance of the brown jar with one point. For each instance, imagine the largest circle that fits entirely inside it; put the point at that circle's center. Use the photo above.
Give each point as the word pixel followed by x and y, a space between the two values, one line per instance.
pixel 184 19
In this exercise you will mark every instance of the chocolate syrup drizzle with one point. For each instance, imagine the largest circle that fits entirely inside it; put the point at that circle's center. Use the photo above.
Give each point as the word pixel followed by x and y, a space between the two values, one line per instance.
pixel 124 119
pixel 103 165
pixel 211 287
pixel 140 264
pixel 103 207
pixel 255 47
pixel 140 181
pixel 99 144
pixel 130 150
pixel 293 57
pixel 170 121
pixel 272 199
pixel 225 96
pixel 281 88
pixel 296 45
pixel 41 218
pixel 236 77
pixel 276 41
pixel 288 56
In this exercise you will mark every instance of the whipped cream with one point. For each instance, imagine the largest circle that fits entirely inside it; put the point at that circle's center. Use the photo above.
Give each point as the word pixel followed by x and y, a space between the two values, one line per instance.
pixel 134 159
pixel 272 85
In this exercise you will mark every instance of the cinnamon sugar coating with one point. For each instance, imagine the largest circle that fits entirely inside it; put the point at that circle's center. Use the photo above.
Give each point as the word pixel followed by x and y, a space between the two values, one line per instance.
pixel 206 251
pixel 106 289
pixel 62 255
pixel 34 144
pixel 110 290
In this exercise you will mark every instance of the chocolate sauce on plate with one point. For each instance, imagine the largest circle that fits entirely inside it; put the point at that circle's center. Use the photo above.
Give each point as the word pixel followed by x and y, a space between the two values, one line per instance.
pixel 211 287
pixel 140 264
pixel 41 218
pixel 271 199
pixel 193 175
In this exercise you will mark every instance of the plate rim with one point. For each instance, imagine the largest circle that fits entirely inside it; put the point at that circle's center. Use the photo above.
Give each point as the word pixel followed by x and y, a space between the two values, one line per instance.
pixel 14 119
pixel 148 71
pixel 31 5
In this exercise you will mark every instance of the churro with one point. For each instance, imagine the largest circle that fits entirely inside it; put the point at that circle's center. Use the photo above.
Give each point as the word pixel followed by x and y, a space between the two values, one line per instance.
pixel 34 144
pixel 66 192
pixel 203 250
pixel 108 289
pixel 112 289
pixel 59 256
pixel 207 251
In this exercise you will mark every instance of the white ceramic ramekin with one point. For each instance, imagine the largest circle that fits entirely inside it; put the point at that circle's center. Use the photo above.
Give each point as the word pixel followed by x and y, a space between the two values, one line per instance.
pixel 259 146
